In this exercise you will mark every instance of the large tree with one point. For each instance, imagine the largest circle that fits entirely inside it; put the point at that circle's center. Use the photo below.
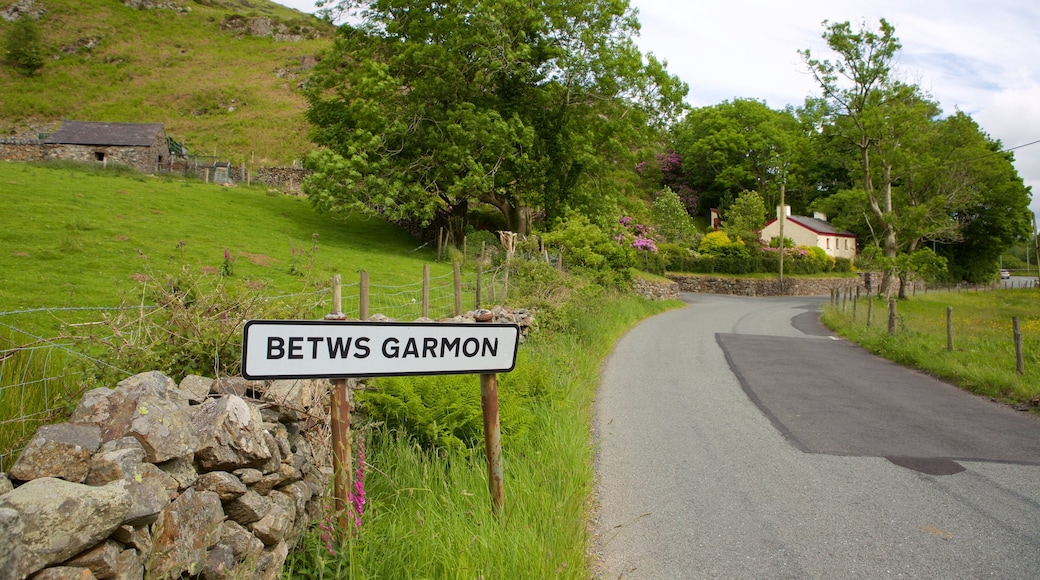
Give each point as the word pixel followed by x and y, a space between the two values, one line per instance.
pixel 423 109
pixel 736 146
pixel 917 182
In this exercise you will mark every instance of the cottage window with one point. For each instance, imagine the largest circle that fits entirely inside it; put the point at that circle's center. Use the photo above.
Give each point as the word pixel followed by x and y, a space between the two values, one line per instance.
pixel 828 243
pixel 99 156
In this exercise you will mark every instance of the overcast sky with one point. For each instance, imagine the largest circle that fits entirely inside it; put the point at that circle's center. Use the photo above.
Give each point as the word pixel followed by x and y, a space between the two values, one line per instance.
pixel 980 57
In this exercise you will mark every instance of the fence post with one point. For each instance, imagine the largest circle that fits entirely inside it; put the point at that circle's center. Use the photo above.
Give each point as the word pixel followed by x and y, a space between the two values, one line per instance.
pixel 870 309
pixel 492 431
pixel 363 296
pixel 855 304
pixel 480 279
pixel 949 328
pixel 891 315
pixel 457 272
pixel 341 454
pixel 1018 346
pixel 426 291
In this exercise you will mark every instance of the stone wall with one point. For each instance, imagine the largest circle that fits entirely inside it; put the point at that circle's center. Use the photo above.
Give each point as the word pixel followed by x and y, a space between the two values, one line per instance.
pixel 656 290
pixel 205 479
pixel 287 179
pixel 764 287
pixel 143 159
pixel 21 150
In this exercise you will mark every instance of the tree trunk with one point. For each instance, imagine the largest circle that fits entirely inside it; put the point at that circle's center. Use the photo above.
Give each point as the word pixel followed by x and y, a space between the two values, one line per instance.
pixel 891 245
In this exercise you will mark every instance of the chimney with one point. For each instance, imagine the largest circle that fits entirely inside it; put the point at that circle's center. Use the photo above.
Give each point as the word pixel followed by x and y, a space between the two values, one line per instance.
pixel 820 216
pixel 787 211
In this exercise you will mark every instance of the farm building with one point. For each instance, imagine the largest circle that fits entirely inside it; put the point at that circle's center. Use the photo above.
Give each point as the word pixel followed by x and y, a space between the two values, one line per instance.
pixel 812 231
pixel 143 146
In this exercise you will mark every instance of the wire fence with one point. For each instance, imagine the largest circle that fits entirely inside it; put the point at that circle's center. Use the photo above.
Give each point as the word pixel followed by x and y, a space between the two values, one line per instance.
pixel 46 363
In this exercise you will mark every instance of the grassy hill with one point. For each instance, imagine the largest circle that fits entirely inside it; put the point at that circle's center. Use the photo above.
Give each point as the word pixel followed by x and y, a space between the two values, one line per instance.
pixel 88 237
pixel 223 76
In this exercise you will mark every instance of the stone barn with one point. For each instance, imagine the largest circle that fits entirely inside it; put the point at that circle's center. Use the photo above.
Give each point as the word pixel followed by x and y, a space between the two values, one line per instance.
pixel 143 146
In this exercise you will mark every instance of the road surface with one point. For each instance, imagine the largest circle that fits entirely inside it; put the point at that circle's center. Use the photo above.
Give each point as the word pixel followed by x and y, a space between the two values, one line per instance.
pixel 736 438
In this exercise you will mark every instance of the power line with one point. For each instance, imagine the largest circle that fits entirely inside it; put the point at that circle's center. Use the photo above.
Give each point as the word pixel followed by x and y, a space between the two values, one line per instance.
pixel 1001 152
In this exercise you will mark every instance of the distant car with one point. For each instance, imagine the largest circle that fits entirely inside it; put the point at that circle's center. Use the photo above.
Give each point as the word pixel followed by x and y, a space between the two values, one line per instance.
pixel 1005 275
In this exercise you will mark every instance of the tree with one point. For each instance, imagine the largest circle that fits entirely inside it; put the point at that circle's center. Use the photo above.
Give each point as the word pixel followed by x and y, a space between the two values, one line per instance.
pixel 424 108
pixel 670 219
pixel 737 146
pixel 23 45
pixel 746 216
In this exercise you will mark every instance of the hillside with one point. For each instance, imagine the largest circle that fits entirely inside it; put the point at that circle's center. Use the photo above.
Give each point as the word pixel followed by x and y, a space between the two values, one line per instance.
pixel 222 75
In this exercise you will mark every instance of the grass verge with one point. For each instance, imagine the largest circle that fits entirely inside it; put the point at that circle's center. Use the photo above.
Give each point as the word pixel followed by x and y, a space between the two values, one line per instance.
pixel 429 512
pixel 983 359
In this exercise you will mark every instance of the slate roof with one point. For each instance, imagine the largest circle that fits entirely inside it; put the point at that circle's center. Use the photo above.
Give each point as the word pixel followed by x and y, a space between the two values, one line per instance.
pixel 118 134
pixel 816 225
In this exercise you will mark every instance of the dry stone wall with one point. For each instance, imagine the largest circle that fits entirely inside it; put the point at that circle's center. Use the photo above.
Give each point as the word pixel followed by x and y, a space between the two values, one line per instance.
pixel 764 287
pixel 205 479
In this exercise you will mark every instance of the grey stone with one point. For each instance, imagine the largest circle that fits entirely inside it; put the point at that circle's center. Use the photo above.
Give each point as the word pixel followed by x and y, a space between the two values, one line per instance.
pixel 248 475
pixel 196 388
pixel 65 573
pixel 61 450
pixel 139 537
pixel 183 533
pixel 129 566
pixel 117 464
pixel 102 559
pixel 230 435
pixel 220 561
pixel 248 508
pixel 242 542
pixel 148 490
pixel 224 484
pixel 181 469
pixel 145 407
pixel 61 519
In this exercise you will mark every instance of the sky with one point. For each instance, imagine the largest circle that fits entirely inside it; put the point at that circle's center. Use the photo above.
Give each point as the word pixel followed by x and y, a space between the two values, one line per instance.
pixel 979 57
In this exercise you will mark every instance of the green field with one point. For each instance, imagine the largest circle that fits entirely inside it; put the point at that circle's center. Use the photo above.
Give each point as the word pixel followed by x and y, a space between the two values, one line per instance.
pixel 85 237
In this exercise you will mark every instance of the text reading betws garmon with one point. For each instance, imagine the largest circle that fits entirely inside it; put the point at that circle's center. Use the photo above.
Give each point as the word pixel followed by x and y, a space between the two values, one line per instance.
pixel 332 349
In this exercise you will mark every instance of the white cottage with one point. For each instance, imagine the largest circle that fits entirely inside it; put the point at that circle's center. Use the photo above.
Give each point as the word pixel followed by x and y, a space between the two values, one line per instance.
pixel 812 231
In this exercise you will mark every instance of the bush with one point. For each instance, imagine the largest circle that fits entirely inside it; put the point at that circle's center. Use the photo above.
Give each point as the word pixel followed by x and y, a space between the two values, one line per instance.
pixel 587 246
pixel 23 45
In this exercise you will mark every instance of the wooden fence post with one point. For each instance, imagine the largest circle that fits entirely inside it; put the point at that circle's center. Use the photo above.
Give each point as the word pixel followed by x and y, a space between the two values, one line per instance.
pixel 891 315
pixel 363 296
pixel 480 279
pixel 457 273
pixel 492 431
pixel 426 291
pixel 341 453
pixel 949 328
pixel 1018 346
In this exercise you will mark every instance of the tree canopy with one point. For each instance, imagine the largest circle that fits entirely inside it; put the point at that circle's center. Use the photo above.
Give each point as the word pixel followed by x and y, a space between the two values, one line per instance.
pixel 917 178
pixel 424 109
pixel 736 146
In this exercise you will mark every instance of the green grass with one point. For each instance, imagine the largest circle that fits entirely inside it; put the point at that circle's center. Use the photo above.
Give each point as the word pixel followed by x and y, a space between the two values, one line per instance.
pixel 85 237
pixel 235 96
pixel 983 359
pixel 429 513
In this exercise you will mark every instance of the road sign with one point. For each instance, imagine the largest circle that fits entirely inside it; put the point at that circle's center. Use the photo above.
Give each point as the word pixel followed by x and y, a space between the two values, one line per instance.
pixel 297 349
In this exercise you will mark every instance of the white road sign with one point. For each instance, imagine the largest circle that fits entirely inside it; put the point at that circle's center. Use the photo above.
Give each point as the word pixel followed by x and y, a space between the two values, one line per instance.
pixel 295 349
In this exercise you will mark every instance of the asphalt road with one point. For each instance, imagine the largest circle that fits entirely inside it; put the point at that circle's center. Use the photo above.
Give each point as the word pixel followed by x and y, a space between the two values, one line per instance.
pixel 737 439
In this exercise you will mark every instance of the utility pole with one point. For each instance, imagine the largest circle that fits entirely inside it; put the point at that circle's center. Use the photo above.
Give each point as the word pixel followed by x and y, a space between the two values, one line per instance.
pixel 782 217
pixel 1036 248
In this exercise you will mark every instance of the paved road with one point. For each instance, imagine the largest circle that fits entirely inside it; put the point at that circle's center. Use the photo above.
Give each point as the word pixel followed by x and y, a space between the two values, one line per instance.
pixel 737 439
